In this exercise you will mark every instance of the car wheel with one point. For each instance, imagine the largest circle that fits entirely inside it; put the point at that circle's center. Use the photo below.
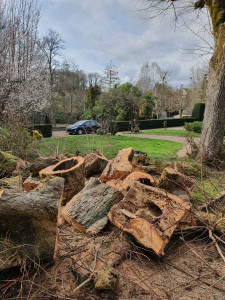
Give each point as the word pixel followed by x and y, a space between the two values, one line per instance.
pixel 79 131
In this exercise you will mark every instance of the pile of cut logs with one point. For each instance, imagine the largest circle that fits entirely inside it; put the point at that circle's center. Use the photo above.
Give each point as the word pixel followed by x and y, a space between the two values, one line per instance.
pixel 87 193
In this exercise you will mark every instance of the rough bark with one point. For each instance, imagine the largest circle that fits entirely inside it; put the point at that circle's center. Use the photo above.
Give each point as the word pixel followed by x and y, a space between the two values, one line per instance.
pixel 29 220
pixel 41 163
pixel 94 163
pixel 90 206
pixel 72 170
pixel 214 118
pixel 150 215
pixel 119 167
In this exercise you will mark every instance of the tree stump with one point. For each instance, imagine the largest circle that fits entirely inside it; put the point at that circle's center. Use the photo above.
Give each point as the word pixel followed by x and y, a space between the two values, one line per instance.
pixel 150 215
pixel 29 220
pixel 72 170
pixel 119 167
pixel 91 206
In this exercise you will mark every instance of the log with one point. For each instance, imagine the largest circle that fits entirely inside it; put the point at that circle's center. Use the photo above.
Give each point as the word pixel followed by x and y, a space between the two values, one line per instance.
pixel 29 220
pixel 150 215
pixel 72 170
pixel 90 206
pixel 176 183
pixel 14 182
pixel 94 163
pixel 41 163
pixel 124 185
pixel 119 167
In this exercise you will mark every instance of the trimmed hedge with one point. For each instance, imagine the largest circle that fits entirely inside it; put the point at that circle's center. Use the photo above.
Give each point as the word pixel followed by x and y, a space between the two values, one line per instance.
pixel 198 111
pixel 45 129
pixel 149 124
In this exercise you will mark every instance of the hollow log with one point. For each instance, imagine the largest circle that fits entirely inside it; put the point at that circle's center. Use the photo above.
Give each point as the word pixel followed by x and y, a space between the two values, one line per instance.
pixel 149 214
pixel 87 211
pixel 119 167
pixel 29 220
pixel 94 163
pixel 72 170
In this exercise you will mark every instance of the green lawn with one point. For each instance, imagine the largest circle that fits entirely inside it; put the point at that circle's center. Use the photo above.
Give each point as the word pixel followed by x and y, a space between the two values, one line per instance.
pixel 109 145
pixel 173 132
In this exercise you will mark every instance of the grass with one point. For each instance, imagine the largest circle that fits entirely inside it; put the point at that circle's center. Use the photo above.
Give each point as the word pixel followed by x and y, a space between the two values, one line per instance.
pixel 108 145
pixel 171 132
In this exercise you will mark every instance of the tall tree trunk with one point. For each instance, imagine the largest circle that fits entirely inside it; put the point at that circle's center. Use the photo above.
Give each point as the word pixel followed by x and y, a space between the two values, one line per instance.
pixel 214 118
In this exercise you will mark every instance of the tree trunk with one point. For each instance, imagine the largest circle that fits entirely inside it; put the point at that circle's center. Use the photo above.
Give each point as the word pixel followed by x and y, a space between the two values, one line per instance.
pixel 214 118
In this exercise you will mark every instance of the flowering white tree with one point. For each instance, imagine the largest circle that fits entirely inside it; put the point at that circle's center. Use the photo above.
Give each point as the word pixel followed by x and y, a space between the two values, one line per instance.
pixel 23 84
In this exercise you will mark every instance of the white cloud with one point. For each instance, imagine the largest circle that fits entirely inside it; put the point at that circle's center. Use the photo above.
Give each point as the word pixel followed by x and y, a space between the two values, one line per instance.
pixel 98 31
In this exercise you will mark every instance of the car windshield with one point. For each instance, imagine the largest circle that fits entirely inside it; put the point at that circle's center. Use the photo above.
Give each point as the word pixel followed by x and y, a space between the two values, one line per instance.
pixel 78 123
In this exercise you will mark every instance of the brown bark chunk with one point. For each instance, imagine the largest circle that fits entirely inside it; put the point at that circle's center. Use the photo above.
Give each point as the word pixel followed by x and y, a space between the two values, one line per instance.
pixel 119 167
pixel 150 214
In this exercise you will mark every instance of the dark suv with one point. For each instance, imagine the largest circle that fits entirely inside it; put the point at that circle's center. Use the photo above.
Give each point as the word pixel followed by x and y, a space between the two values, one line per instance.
pixel 84 126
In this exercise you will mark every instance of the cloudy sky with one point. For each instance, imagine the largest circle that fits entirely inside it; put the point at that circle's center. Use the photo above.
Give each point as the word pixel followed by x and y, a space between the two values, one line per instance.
pixel 97 31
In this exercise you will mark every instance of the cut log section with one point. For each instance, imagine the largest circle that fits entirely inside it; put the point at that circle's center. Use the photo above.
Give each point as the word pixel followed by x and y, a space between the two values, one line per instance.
pixel 29 220
pixel 72 170
pixel 176 183
pixel 123 185
pixel 92 205
pixel 150 215
pixel 120 167
pixel 94 163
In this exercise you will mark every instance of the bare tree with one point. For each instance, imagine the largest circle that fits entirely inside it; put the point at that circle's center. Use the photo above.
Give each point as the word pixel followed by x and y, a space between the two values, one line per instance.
pixel 94 79
pixel 110 78
pixel 144 81
pixel 51 45
pixel 214 118
pixel 23 79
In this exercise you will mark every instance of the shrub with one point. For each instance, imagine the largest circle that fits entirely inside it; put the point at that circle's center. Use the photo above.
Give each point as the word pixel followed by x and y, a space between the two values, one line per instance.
pixel 36 135
pixel 194 126
pixel 15 138
pixel 100 131
pixel 45 129
pixel 198 111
